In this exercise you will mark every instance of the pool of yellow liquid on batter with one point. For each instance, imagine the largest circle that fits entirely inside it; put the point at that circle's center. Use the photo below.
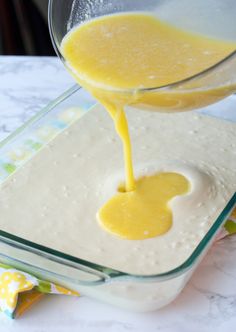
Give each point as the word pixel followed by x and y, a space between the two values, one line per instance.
pixel 144 212
pixel 114 53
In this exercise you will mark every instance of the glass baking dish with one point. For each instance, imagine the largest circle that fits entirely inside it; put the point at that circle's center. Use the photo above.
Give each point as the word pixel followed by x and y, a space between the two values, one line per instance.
pixel 134 292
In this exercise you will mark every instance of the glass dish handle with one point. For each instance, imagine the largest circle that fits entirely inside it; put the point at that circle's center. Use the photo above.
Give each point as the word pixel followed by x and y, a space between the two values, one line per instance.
pixel 44 265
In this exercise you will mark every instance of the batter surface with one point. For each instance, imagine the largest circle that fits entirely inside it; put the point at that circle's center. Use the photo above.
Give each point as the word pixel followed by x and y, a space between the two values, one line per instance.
pixel 53 199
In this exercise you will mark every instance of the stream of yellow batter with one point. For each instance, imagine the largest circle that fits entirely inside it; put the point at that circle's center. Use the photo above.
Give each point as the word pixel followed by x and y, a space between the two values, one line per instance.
pixel 111 54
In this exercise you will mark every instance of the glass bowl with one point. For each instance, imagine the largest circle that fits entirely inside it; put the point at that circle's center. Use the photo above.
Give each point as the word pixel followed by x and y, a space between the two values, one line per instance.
pixel 212 18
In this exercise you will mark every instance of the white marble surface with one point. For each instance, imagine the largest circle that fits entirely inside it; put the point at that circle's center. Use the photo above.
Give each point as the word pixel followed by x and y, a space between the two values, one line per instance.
pixel 208 303
pixel 26 85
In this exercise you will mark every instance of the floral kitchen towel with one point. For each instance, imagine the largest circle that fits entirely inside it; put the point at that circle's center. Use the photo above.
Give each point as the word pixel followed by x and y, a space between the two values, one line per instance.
pixel 20 290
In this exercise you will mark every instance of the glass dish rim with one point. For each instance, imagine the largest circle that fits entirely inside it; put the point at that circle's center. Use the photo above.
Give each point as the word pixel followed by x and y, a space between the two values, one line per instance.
pixel 110 273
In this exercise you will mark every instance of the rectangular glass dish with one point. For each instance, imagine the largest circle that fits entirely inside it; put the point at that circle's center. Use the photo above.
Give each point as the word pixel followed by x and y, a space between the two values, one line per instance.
pixel 134 292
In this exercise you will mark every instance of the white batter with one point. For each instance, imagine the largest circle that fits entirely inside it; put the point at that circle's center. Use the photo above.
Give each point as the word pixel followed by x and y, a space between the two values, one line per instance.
pixel 54 198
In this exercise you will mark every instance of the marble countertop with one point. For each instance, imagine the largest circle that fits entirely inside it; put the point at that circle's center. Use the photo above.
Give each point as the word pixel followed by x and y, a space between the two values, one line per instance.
pixel 208 302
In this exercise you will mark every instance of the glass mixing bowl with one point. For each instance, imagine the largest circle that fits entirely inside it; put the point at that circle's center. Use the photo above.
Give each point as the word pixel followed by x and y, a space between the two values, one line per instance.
pixel 212 18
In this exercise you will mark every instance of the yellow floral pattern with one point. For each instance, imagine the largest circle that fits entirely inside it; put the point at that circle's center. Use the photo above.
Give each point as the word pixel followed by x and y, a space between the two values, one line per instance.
pixel 62 290
pixel 233 215
pixel 71 115
pixel 19 290
pixel 19 154
pixel 11 284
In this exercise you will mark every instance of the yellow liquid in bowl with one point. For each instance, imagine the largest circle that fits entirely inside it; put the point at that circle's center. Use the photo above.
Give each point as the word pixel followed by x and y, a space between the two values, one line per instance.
pixel 111 54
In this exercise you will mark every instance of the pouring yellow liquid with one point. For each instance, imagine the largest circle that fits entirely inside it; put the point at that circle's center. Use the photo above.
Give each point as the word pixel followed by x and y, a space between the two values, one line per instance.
pixel 113 57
